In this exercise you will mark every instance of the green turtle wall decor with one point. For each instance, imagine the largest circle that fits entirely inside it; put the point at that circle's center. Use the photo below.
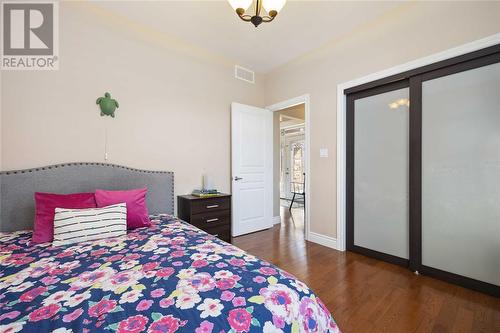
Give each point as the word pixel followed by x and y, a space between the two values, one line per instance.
pixel 107 105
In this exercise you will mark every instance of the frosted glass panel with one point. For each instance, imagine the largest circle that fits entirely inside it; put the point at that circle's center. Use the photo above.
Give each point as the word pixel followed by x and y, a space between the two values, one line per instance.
pixel 461 173
pixel 381 172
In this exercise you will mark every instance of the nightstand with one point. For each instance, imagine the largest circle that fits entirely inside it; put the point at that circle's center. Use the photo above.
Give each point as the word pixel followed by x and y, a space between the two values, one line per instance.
pixel 212 215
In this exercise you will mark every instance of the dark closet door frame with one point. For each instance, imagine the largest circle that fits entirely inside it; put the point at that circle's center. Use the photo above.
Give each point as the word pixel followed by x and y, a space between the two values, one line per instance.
pixel 414 80
pixel 350 116
pixel 416 83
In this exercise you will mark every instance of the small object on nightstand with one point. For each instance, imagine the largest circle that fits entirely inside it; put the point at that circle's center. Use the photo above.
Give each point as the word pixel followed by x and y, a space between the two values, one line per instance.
pixel 206 193
pixel 210 214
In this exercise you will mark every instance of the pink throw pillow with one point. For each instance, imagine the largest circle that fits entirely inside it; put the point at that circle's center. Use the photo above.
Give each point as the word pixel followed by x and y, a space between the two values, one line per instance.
pixel 137 212
pixel 45 205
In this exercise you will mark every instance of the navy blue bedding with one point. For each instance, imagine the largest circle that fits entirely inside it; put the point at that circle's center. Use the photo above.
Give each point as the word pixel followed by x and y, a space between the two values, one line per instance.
pixel 166 278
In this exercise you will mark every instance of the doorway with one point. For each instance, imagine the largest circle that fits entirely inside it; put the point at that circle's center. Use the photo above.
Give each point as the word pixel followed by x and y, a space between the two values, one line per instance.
pixel 291 156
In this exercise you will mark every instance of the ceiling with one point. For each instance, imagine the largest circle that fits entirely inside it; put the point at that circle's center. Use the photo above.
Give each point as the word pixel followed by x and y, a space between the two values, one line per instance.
pixel 299 28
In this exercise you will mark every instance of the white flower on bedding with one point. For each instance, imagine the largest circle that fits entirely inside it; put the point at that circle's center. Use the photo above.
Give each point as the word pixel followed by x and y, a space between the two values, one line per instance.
pixel 179 239
pixel 270 328
pixel 198 256
pixel 214 257
pixel 282 301
pixel 161 250
pixel 89 278
pixel 71 264
pixel 111 242
pixel 223 274
pixel 300 286
pixel 122 280
pixel 80 248
pixel 117 248
pixel 187 301
pixel 250 258
pixel 128 264
pixel 12 327
pixel 57 297
pixel 186 273
pixel 22 287
pixel 19 277
pixel 149 246
pixel 131 296
pixel 75 300
pixel 62 330
pixel 210 307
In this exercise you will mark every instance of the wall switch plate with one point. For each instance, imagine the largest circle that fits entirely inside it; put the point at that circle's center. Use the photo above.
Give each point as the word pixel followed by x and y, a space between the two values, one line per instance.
pixel 323 152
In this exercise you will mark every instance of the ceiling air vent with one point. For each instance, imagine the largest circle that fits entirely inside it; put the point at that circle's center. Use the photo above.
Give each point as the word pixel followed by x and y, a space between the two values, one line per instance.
pixel 244 74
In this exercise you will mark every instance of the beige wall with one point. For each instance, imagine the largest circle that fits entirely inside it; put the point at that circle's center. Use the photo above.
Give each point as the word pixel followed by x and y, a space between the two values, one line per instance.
pixel 175 98
pixel 174 102
pixel 412 31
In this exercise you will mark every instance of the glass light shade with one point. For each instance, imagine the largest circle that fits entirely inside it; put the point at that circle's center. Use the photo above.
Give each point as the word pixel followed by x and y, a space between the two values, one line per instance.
pixel 240 4
pixel 276 5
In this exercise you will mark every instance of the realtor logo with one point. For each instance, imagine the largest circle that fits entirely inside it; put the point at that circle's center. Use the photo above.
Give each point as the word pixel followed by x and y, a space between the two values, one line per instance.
pixel 29 36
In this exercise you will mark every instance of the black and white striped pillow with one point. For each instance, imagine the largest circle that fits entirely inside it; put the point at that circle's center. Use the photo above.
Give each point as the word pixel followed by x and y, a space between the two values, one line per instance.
pixel 80 225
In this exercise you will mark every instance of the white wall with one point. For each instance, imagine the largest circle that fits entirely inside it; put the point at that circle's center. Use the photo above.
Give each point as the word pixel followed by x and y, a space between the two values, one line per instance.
pixel 412 31
pixel 174 102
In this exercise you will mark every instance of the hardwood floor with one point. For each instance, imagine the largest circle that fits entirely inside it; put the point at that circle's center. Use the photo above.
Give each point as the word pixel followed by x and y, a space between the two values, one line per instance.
pixel 367 295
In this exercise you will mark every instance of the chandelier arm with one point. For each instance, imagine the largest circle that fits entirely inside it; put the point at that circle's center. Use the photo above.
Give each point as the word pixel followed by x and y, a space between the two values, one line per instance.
pixel 267 19
pixel 241 14
pixel 245 18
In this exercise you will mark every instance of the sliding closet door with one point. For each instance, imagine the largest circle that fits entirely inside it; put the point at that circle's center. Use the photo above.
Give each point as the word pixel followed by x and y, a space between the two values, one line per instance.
pixel 378 166
pixel 461 174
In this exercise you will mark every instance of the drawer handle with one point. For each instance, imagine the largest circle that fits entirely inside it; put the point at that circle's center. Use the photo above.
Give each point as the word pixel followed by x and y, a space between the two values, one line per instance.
pixel 212 220
pixel 216 235
pixel 212 206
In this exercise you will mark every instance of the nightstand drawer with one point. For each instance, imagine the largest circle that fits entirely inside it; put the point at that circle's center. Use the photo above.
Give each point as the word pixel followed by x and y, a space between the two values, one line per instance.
pixel 221 232
pixel 211 219
pixel 209 205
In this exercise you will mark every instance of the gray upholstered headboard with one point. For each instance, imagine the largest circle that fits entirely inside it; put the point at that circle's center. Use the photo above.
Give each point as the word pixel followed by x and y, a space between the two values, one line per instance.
pixel 17 188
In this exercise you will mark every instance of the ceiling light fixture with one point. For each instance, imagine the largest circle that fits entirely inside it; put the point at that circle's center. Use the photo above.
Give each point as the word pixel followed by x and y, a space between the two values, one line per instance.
pixel 272 7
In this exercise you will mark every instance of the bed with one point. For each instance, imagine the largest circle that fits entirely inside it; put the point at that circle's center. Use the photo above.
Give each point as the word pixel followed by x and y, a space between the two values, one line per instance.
pixel 166 278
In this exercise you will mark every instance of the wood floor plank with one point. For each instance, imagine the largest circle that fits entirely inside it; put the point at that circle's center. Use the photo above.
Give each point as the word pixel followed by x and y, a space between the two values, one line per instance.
pixel 367 295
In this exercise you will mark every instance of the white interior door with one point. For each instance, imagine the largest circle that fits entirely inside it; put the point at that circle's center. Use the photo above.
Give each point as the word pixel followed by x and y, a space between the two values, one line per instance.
pixel 252 168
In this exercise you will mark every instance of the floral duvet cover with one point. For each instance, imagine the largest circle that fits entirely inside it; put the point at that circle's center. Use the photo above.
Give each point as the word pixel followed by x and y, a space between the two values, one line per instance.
pixel 166 278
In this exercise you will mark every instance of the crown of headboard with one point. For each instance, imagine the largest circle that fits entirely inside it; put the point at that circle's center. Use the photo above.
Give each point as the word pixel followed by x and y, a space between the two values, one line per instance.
pixel 17 187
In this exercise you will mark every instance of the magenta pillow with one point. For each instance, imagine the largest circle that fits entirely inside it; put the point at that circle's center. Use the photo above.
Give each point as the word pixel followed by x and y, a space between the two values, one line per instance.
pixel 45 205
pixel 137 212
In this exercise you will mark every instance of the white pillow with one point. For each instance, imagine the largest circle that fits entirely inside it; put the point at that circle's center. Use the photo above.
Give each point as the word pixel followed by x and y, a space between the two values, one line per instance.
pixel 80 225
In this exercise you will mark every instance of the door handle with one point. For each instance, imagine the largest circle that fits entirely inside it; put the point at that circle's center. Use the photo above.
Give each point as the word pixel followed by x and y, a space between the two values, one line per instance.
pixel 237 178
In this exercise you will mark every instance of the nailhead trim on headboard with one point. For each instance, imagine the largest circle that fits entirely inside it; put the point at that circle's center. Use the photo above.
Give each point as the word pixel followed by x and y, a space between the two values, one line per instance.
pixel 13 172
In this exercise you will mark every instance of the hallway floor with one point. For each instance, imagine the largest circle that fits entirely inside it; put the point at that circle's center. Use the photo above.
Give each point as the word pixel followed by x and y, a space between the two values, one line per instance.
pixel 367 295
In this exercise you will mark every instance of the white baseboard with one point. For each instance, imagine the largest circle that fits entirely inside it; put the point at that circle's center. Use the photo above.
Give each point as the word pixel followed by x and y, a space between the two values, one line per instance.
pixel 322 240
pixel 276 219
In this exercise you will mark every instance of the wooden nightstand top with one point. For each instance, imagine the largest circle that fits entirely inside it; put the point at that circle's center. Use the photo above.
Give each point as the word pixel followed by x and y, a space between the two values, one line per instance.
pixel 192 197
